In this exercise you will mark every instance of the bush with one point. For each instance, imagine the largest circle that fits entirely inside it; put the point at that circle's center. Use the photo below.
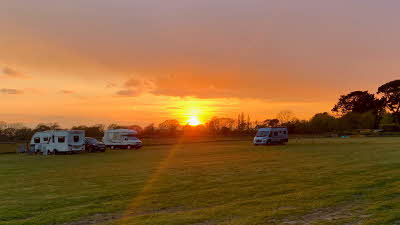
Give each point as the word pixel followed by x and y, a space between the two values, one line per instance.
pixel 391 127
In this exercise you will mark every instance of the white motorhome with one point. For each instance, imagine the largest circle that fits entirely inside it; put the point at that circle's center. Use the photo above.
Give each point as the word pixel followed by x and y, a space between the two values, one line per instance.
pixel 121 138
pixel 271 135
pixel 54 141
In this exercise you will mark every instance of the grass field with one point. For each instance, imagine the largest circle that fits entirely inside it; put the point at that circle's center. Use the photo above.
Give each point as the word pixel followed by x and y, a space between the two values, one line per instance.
pixel 309 181
pixel 8 148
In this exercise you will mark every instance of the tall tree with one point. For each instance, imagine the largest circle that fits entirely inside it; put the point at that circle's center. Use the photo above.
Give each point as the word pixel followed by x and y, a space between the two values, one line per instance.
pixel 169 125
pixel 3 125
pixel 215 125
pixel 96 131
pixel 271 122
pixel 149 129
pixel 357 102
pixel 285 116
pixel 114 126
pixel 322 122
pixel 47 126
pixel 248 124
pixel 136 128
pixel 360 102
pixel 391 96
pixel 241 124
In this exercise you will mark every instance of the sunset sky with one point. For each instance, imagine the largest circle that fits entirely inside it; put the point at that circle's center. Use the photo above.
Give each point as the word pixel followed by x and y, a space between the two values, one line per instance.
pixel 142 61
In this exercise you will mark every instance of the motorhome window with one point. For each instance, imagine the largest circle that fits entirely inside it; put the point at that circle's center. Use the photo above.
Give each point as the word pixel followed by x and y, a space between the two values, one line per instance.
pixel 61 139
pixel 76 138
pixel 284 132
pixel 262 134
pixel 46 139
pixel 276 133
pixel 36 140
pixel 132 138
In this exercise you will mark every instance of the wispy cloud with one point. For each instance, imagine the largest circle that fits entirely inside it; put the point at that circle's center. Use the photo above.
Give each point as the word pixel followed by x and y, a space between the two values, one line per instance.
pixel 137 86
pixel 66 92
pixel 10 91
pixel 12 73
pixel 199 92
pixel 111 85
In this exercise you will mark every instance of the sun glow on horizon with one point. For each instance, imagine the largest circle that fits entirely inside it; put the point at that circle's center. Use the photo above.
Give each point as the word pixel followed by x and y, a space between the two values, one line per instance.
pixel 193 121
pixel 193 111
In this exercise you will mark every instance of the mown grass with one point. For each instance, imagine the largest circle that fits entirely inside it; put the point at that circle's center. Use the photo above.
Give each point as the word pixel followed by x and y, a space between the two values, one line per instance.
pixel 8 148
pixel 189 140
pixel 309 181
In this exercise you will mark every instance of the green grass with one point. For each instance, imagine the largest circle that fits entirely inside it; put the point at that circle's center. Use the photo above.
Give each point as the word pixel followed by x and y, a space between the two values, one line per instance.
pixel 188 140
pixel 309 181
pixel 7 148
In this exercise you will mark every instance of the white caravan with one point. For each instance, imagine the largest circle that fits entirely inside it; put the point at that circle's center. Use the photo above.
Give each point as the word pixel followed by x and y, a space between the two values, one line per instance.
pixel 270 135
pixel 55 141
pixel 121 138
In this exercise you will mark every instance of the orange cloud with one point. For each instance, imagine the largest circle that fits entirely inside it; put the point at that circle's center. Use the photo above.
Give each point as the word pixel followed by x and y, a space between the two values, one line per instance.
pixel 12 73
pixel 137 86
pixel 10 91
pixel 67 92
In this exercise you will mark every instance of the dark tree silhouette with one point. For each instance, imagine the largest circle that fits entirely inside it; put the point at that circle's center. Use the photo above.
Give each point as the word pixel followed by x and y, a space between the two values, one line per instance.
pixel 169 126
pixel 391 97
pixel 149 129
pixel 96 131
pixel 322 122
pixel 215 125
pixel 116 126
pixel 136 128
pixel 271 122
pixel 241 123
pixel 361 102
pixel 285 116
pixel 357 102
pixel 47 126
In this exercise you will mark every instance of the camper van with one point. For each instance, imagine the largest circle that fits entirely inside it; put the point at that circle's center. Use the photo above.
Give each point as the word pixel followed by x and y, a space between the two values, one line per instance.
pixel 121 138
pixel 51 142
pixel 271 135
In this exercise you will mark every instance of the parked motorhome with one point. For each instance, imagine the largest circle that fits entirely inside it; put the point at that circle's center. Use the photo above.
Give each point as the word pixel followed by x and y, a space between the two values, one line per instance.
pixel 54 141
pixel 271 135
pixel 40 141
pixel 121 138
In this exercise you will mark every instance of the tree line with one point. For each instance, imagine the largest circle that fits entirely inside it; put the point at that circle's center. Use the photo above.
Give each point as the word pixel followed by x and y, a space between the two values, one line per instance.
pixel 353 111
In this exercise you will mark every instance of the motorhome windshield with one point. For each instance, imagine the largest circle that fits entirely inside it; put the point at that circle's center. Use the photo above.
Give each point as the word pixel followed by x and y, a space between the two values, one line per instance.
pixel 262 134
pixel 132 138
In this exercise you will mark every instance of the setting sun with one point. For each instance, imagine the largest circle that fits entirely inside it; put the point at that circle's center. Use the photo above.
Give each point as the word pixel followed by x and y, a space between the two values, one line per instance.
pixel 194 121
